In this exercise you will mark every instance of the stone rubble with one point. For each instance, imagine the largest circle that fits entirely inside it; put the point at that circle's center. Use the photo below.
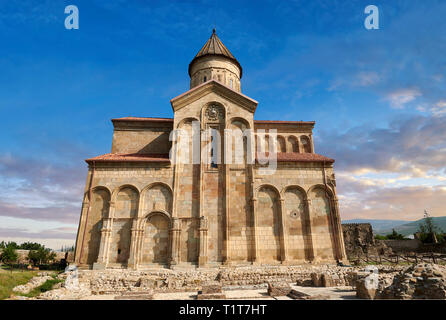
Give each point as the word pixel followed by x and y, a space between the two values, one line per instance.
pixel 394 282
pixel 278 289
pixel 421 281
pixel 36 281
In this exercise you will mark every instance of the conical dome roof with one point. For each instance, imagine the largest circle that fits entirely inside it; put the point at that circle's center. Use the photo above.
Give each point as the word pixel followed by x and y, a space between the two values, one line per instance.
pixel 214 47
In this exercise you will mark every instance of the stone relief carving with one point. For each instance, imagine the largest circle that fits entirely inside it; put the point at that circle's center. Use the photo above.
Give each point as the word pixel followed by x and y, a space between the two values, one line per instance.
pixel 214 112
pixel 203 222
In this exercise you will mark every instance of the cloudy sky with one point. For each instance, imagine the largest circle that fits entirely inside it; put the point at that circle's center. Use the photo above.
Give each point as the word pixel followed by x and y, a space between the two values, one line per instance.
pixel 378 96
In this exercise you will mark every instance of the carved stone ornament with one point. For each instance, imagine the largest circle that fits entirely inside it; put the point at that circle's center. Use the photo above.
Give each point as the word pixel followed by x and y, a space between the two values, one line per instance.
pixel 203 222
pixel 213 112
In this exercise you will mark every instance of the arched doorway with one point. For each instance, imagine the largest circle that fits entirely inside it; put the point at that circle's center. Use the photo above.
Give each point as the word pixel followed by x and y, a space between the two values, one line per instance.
pixel 324 245
pixel 98 211
pixel 126 209
pixel 156 239
pixel 268 224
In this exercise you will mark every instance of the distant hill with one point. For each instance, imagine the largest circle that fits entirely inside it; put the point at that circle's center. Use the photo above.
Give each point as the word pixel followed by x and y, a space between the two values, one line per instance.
pixel 404 227
pixel 412 227
pixel 378 225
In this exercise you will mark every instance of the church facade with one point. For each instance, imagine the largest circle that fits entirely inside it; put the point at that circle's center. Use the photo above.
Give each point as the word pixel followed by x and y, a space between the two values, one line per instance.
pixel 210 186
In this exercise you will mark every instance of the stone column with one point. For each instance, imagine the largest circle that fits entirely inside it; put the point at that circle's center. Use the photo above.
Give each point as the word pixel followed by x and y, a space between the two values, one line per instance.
pixel 106 231
pixel 103 248
pixel 339 236
pixel 134 240
pixel 226 242
pixel 78 258
pixel 175 242
pixel 202 258
pixel 300 145
pixel 283 233
pixel 311 142
pixel 311 235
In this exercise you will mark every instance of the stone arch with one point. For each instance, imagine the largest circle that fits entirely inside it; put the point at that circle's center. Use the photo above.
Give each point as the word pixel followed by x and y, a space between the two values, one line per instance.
pixel 268 223
pixel 100 187
pixel 157 196
pixel 126 202
pixel 239 214
pixel 323 187
pixel 293 144
pixel 99 209
pixel 156 238
pixel 269 186
pixel 263 142
pixel 208 104
pixel 321 218
pixel 306 144
pixel 297 222
pixel 119 188
pixel 184 140
pixel 241 120
pixel 125 211
pixel 239 151
pixel 185 120
pixel 213 115
pixel 281 144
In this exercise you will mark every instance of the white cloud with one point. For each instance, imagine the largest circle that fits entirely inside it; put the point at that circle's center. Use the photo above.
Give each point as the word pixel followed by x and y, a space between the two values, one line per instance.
pixel 439 108
pixel 399 98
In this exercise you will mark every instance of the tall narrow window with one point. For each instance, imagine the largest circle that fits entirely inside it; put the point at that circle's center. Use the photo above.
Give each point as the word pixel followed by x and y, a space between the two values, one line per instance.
pixel 204 79
pixel 213 153
pixel 230 83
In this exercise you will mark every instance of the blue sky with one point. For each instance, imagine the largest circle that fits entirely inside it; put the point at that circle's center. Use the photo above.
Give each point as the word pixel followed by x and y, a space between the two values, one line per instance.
pixel 378 96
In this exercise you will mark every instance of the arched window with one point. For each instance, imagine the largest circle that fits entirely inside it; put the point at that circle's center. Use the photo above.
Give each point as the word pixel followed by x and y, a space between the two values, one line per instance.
pixel 306 144
pixel 294 145
pixel 204 79
pixel 231 84
pixel 213 153
pixel 281 145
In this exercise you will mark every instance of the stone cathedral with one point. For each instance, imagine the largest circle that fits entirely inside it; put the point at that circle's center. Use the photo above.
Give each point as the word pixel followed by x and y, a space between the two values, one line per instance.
pixel 141 209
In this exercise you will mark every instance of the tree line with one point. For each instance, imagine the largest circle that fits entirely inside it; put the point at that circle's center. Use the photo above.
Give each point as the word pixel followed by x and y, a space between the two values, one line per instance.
pixel 38 253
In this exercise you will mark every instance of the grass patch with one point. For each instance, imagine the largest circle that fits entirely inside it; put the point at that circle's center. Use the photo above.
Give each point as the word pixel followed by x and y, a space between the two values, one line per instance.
pixel 8 280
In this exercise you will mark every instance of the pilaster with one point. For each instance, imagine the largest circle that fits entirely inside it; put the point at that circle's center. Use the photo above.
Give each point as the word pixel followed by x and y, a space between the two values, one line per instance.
pixel 105 239
pixel 283 233
pixel 136 233
pixel 203 256
pixel 311 234
pixel 175 242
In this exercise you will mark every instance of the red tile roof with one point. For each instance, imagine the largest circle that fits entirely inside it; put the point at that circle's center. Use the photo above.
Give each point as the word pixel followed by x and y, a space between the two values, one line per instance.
pixel 137 157
pixel 130 157
pixel 148 119
pixel 283 121
pixel 143 119
pixel 300 157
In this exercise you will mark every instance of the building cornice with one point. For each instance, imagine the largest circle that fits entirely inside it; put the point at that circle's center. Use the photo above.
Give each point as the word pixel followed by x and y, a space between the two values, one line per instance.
pixel 213 86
